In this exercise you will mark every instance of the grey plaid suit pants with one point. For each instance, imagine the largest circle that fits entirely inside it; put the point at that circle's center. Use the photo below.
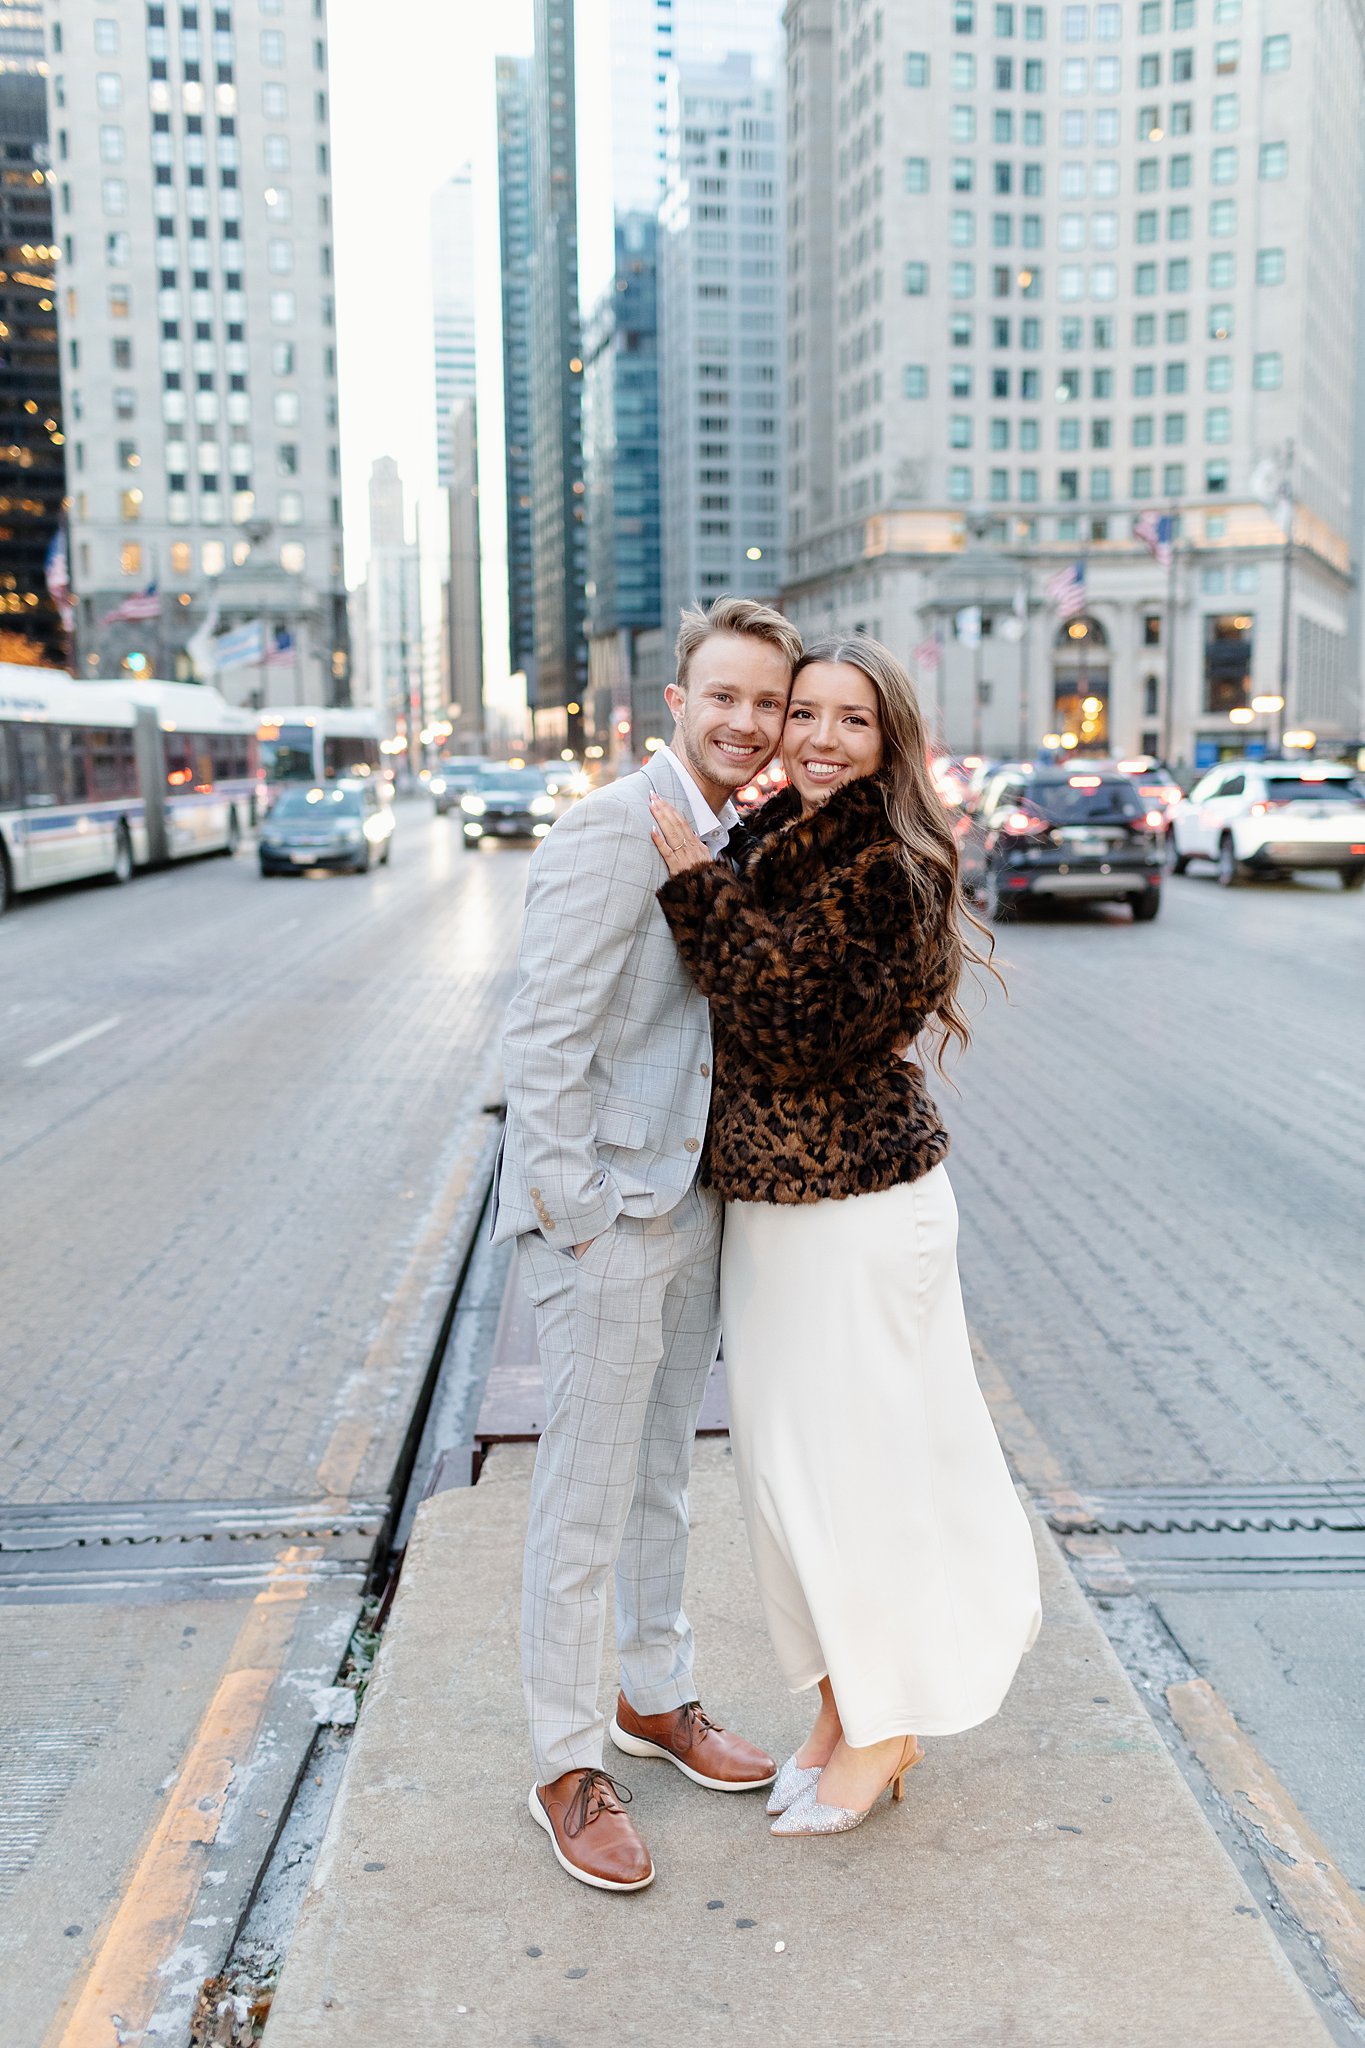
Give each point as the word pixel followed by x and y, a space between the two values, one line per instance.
pixel 628 1335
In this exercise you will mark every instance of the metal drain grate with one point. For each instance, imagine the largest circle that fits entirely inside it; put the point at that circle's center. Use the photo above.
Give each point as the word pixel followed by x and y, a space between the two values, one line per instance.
pixel 156 1550
pixel 1216 1535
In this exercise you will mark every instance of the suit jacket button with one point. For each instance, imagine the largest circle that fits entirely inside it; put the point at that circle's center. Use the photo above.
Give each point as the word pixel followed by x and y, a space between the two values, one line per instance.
pixel 705 1070
pixel 535 1194
pixel 691 1144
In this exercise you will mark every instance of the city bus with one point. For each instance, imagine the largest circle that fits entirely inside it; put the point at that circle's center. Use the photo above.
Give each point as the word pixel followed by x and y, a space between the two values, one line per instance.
pixel 316 743
pixel 102 778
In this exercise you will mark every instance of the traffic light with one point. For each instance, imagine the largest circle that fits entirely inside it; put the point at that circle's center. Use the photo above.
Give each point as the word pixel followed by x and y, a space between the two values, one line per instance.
pixel 137 662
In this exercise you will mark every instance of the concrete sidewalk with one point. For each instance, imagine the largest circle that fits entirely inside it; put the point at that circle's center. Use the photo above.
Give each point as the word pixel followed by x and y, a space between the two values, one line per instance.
pixel 1050 1879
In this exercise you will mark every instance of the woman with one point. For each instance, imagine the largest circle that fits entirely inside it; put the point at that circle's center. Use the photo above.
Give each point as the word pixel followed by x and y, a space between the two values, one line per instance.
pixel 894 1559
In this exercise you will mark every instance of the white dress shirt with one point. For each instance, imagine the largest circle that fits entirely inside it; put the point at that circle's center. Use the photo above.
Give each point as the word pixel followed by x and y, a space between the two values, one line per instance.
pixel 713 832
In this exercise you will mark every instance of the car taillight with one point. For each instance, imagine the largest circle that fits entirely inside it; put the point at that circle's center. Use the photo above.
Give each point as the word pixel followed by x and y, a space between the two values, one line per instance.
pixel 1019 824
pixel 1274 803
pixel 1154 819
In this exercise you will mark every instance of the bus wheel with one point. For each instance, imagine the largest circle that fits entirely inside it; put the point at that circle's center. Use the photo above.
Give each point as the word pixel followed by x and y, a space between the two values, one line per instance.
pixel 234 832
pixel 122 870
pixel 6 885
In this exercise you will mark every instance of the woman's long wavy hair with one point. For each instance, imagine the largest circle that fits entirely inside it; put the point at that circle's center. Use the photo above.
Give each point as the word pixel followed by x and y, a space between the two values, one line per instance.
pixel 928 848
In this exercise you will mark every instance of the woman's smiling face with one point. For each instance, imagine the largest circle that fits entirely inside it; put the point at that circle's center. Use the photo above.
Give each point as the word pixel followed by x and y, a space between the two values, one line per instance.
pixel 833 731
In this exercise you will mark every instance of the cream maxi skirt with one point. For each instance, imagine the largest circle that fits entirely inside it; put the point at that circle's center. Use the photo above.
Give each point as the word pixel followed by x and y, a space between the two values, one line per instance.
pixel 891 1549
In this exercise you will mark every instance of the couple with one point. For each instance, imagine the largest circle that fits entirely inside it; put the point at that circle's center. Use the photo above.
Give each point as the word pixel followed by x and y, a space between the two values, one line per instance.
pixel 712 1028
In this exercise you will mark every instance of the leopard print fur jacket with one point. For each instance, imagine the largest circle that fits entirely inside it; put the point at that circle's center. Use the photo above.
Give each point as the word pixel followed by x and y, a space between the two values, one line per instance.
pixel 817 968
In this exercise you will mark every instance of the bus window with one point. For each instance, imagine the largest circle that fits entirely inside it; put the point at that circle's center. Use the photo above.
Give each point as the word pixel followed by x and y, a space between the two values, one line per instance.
pixel 345 754
pixel 178 750
pixel 38 771
pixel 9 771
pixel 289 757
pixel 110 764
pixel 201 760
pixel 69 746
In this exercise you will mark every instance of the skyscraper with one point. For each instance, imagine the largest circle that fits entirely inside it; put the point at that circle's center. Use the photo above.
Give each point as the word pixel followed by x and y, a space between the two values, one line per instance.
pixel 392 607
pixel 464 602
pixel 1052 267
pixel 30 373
pixel 514 224
pixel 561 663
pixel 193 173
pixel 721 328
pixel 452 301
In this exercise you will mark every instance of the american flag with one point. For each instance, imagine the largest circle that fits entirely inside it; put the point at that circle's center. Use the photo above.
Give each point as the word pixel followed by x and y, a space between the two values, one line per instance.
pixel 143 604
pixel 281 653
pixel 58 575
pixel 1067 590
pixel 928 654
pixel 1156 531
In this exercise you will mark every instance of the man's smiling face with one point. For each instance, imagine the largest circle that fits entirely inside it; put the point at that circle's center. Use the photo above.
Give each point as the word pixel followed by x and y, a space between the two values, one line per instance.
pixel 730 712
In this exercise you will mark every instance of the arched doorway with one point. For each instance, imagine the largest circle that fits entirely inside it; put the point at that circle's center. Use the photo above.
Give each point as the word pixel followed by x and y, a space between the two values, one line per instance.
pixel 1080 684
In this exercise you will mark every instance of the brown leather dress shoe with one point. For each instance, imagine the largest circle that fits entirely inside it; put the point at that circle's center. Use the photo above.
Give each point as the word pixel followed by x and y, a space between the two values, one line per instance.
pixel 590 1832
pixel 707 1754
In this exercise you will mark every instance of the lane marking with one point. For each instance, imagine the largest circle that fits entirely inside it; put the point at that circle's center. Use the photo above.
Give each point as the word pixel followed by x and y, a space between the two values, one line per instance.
pixel 1294 1858
pixel 63 1045
pixel 118 1992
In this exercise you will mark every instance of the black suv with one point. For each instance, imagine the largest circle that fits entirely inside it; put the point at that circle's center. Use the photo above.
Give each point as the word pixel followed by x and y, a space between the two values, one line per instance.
pixel 1069 831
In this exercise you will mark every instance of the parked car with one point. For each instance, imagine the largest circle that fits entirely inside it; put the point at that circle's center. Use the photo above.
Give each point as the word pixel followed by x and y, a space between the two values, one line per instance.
pixel 336 825
pixel 507 803
pixel 1272 817
pixel 451 777
pixel 1069 831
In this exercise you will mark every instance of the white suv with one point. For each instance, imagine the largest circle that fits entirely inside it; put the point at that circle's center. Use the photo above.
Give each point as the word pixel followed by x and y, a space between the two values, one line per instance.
pixel 1270 817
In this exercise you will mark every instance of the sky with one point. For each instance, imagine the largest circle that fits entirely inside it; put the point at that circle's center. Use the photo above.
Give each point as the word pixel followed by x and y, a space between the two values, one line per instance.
pixel 412 100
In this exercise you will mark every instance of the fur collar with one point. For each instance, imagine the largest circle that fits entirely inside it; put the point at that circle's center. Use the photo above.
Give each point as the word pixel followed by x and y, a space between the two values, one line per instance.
pixel 850 820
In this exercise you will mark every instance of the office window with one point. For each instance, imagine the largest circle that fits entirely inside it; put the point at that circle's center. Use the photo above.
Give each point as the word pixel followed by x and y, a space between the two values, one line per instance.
pixel 1000 484
pixel 274 100
pixel 106 38
pixel 1149 17
pixel 1106 74
pixel 1222 216
pixel 1071 331
pixel 964 174
pixel 960 380
pixel 961 280
pixel 1144 430
pixel 1035 77
pixel 964 71
pixel 916 67
pixel 1182 66
pixel 1030 332
pixel 1068 434
pixel 275 150
pixel 917 174
pixel 1226 58
pixel 1002 125
pixel 1218 423
pixel 960 486
pixel 1178 274
pixel 1106 127
pixel 1144 280
pixel 1215 478
pixel 1034 132
pixel 1108 23
pixel 1274 159
pixel 1004 21
pixel 1104 179
pixel 1177 329
pixel 1275 53
pixel 1178 224
pixel 1028 435
pixel 1218 373
pixel 1182 14
pixel 1000 333
pixel 1180 172
pixel 1101 433
pixel 1035 24
pixel 289 508
pixel 1173 480
pixel 961 330
pixel 272 46
pixel 1270 266
pixel 286 408
pixel 1000 434
pixel 1147 224
pixel 1103 329
pixel 1071 281
pixel 1149 70
pixel 1222 269
pixel 1173 429
pixel 114 195
pixel 1267 372
pixel 1002 230
pixel 1101 486
pixel 963 124
pixel 915 381
pixel 1068 484
pixel 1226 110
pixel 963 228
pixel 964 17
pixel 1004 74
pixel 1148 174
pixel 1142 481
pixel 1101 384
pixel 1104 230
pixel 1071 231
pixel 1075 74
pixel 916 278
pixel 1028 485
pixel 1220 323
pixel 118 249
pixel 1031 230
pixel 1072 181
pixel 1227 10
pixel 1104 281
pixel 1149 127
pixel 1144 379
pixel 1032 181
pixel 1076 24
pixel 282 308
pixel 1175 378
pixel 1075 129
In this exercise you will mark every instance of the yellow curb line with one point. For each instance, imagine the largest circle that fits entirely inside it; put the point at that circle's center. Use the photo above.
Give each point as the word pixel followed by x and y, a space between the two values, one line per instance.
pixel 118 1991
pixel 1296 1860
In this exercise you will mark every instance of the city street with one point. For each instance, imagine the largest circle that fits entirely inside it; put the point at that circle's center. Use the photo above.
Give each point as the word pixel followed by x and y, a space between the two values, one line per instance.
pixel 240 1118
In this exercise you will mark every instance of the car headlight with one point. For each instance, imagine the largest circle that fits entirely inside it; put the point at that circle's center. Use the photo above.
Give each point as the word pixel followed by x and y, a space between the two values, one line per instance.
pixel 542 806
pixel 437 785
pixel 473 806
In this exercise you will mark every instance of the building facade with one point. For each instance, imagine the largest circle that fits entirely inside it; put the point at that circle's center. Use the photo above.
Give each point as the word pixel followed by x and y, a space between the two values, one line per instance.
pixel 513 78
pixel 721 329
pixel 452 305
pixel 392 610
pixel 464 599
pixel 621 468
pixel 1051 268
pixel 191 156
pixel 31 437
pixel 558 540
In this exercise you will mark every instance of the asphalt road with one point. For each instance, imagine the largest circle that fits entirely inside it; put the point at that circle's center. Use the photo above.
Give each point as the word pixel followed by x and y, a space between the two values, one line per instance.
pixel 1159 1158
pixel 229 1109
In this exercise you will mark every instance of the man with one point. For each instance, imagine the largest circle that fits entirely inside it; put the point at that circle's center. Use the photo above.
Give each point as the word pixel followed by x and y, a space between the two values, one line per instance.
pixel 607 1055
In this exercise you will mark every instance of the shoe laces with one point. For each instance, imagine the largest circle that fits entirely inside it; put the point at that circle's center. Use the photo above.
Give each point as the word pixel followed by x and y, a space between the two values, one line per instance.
pixel 694 1725
pixel 597 1793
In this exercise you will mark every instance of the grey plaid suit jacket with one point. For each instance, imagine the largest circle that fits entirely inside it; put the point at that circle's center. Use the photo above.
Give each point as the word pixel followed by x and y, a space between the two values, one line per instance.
pixel 607 1046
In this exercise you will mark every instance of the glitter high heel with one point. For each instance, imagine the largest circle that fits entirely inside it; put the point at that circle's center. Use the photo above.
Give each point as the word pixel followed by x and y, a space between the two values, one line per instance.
pixel 791 1781
pixel 806 1816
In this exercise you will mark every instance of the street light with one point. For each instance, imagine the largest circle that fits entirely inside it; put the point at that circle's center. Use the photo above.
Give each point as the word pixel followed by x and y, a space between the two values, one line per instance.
pixel 1241 714
pixel 1305 740
pixel 1264 705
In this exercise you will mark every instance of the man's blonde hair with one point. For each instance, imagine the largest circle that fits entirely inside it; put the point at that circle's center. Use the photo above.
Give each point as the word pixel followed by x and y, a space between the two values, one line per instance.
pixel 733 615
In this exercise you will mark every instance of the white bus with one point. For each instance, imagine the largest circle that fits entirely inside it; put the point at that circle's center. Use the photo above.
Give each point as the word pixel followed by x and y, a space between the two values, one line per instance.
pixel 102 778
pixel 316 743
